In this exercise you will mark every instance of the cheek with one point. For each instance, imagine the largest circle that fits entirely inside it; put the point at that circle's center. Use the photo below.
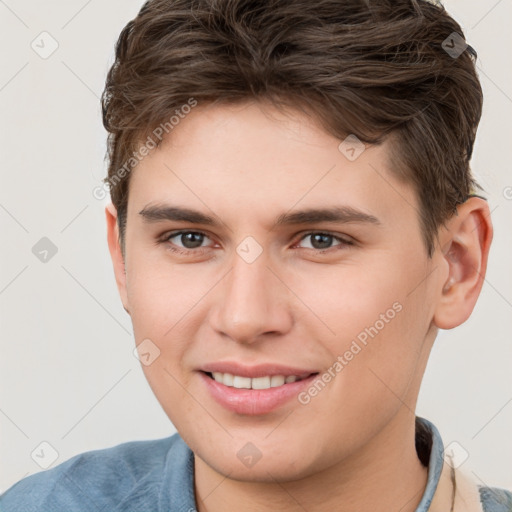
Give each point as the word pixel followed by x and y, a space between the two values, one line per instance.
pixel 170 389
pixel 160 294
pixel 348 298
pixel 368 318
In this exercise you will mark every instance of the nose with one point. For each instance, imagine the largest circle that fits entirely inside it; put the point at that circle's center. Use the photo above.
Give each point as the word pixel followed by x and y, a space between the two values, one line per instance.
pixel 251 303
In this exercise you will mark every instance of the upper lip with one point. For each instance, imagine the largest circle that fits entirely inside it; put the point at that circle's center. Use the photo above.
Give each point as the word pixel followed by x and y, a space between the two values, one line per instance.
pixel 260 370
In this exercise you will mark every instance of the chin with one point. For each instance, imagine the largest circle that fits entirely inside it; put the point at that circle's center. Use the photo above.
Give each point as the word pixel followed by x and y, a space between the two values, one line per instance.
pixel 248 464
pixel 270 471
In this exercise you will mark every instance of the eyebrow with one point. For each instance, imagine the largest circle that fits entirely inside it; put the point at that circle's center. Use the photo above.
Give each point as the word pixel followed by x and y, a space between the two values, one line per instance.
pixel 343 214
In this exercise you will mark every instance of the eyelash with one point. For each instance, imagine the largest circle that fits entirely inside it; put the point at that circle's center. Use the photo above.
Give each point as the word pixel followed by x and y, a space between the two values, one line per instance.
pixel 189 252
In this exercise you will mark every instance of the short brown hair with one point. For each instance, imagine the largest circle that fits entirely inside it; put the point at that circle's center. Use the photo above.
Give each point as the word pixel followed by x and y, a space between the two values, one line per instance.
pixel 372 68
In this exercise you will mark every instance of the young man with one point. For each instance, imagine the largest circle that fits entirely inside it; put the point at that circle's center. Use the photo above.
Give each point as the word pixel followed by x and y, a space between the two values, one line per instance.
pixel 293 218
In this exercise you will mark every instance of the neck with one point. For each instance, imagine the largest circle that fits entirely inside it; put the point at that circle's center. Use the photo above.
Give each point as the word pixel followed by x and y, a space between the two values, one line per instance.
pixel 384 475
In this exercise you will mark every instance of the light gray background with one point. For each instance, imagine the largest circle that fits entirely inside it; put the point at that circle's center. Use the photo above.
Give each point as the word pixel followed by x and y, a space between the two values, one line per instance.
pixel 67 372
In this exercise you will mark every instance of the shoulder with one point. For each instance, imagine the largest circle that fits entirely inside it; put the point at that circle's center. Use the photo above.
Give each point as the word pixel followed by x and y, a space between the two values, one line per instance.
pixel 450 486
pixel 470 495
pixel 96 480
pixel 495 499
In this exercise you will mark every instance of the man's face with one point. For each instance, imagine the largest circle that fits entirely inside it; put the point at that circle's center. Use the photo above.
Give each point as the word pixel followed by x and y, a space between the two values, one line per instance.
pixel 259 287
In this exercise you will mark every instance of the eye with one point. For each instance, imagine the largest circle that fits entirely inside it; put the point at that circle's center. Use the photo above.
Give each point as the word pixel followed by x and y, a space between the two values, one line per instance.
pixel 323 241
pixel 190 242
pixel 185 241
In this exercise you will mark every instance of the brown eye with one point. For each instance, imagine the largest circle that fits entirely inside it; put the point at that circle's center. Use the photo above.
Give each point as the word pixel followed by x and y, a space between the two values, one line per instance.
pixel 322 241
pixel 187 239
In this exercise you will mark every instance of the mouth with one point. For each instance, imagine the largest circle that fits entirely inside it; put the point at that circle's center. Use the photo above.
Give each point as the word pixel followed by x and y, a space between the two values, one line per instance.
pixel 260 395
pixel 259 383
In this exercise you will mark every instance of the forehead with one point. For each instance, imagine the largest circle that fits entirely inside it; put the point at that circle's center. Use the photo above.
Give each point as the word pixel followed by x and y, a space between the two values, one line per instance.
pixel 256 160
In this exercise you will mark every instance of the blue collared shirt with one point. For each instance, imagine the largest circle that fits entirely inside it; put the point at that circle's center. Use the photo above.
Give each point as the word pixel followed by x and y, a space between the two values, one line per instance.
pixel 158 476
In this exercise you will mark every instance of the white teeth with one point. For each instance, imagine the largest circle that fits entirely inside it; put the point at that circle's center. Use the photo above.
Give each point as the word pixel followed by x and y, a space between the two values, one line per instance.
pixel 226 378
pixel 276 380
pixel 235 381
pixel 260 383
pixel 241 382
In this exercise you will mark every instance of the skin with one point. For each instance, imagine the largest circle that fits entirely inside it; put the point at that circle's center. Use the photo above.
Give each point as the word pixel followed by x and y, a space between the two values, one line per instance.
pixel 352 446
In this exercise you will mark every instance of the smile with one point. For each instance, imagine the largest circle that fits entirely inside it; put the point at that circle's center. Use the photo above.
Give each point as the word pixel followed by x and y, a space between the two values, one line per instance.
pixel 256 395
pixel 265 382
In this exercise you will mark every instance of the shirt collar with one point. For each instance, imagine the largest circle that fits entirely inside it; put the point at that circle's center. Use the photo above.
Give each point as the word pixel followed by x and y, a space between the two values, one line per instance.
pixel 435 464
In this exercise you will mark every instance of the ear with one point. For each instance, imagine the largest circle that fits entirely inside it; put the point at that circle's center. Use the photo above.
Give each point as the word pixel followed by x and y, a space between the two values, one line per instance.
pixel 464 246
pixel 116 253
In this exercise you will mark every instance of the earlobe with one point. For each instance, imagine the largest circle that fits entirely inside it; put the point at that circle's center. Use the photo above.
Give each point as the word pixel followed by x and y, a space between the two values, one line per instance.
pixel 116 253
pixel 464 249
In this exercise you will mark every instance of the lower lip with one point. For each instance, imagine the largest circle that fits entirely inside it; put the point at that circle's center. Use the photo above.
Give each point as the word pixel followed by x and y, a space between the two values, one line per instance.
pixel 254 401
